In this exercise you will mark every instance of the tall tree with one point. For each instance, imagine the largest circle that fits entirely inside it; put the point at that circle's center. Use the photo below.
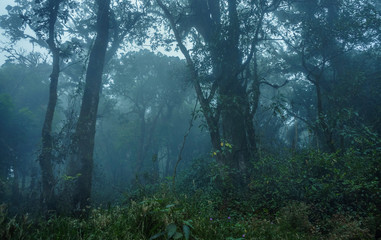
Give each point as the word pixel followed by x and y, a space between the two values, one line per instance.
pixel 225 35
pixel 82 165
pixel 42 17
pixel 327 34
pixel 45 158
pixel 155 85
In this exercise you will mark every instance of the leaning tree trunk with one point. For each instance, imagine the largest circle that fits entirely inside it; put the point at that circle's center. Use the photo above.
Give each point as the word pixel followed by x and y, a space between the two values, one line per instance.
pixel 85 129
pixel 45 158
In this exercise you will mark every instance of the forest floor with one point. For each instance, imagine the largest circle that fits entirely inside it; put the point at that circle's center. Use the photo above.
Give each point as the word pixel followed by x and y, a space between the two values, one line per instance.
pixel 309 195
pixel 166 217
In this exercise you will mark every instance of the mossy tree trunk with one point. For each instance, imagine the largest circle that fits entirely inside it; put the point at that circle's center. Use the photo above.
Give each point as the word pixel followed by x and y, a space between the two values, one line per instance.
pixel 227 105
pixel 45 157
pixel 82 159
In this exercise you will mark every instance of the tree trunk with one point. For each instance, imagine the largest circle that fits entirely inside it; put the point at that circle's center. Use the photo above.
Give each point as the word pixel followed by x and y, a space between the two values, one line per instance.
pixel 85 129
pixel 231 120
pixel 236 123
pixel 322 121
pixel 140 154
pixel 45 157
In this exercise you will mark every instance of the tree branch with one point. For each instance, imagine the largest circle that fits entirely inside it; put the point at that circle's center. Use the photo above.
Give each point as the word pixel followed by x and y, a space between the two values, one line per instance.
pixel 183 144
pixel 276 86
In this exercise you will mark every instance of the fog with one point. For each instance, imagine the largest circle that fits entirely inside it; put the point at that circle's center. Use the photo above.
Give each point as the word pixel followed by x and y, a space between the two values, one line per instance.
pixel 3 5
pixel 190 119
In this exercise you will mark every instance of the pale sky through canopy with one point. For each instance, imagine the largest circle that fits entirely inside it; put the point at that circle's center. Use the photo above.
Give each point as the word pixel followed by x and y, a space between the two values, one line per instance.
pixel 25 44
pixel 3 5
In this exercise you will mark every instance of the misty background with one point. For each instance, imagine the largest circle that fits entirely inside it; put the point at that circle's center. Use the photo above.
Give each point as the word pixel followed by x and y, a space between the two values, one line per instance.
pixel 188 114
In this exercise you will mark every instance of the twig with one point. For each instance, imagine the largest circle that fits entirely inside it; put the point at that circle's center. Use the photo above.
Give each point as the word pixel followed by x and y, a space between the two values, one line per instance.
pixel 276 86
pixel 183 145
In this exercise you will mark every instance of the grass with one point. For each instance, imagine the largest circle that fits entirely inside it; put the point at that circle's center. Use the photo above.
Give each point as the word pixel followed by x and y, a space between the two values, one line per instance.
pixel 164 216
pixel 308 196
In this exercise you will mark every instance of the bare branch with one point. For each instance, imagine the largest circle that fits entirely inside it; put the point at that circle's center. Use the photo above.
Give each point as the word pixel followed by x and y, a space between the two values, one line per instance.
pixel 276 86
pixel 212 91
pixel 298 117
pixel 69 65
pixel 273 6
pixel 203 101
pixel 253 43
pixel 183 144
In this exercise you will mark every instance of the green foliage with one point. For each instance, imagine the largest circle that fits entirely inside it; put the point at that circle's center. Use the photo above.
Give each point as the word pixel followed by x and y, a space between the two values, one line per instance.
pixel 307 195
pixel 165 217
pixel 12 228
pixel 295 216
pixel 23 95
pixel 71 178
pixel 340 182
pixel 344 227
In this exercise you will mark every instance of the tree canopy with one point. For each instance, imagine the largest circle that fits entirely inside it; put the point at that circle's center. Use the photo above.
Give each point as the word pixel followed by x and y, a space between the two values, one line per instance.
pixel 260 109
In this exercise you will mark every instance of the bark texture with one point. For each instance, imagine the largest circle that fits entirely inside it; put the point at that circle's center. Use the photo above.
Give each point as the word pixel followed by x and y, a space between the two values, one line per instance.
pixel 45 158
pixel 230 120
pixel 82 165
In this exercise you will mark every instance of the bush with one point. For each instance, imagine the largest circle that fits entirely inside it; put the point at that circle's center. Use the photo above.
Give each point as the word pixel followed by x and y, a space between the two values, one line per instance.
pixel 309 195
pixel 329 183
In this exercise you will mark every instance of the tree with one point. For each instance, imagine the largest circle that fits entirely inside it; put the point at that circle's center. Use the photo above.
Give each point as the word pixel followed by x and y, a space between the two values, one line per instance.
pixel 42 17
pixel 154 86
pixel 329 32
pixel 24 93
pixel 224 37
pixel 82 159
pixel 50 11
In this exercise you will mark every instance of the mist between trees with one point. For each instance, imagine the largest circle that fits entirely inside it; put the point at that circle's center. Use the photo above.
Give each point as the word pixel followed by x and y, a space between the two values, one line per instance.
pixel 270 102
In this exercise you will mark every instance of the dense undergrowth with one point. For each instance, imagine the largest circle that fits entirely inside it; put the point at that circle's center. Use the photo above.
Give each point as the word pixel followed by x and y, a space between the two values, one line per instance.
pixel 308 195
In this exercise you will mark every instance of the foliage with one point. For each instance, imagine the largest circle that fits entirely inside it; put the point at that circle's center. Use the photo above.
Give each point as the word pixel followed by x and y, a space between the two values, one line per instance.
pixel 340 182
pixel 22 98
pixel 238 54
pixel 164 216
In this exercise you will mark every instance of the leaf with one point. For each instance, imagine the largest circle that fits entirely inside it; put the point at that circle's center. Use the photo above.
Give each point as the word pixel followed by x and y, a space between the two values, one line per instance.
pixel 188 223
pixel 178 235
pixel 171 230
pixel 169 178
pixel 170 205
pixel 157 235
pixel 186 231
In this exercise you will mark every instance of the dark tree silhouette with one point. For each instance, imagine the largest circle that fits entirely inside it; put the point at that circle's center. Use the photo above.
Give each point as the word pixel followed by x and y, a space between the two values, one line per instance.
pixel 82 159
